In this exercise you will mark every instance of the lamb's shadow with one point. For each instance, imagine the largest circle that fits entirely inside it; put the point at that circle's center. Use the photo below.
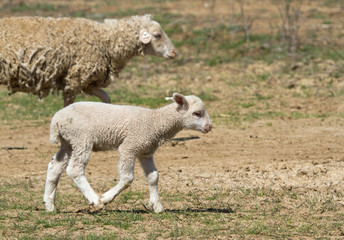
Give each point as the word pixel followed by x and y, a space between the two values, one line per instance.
pixel 201 210
pixel 142 211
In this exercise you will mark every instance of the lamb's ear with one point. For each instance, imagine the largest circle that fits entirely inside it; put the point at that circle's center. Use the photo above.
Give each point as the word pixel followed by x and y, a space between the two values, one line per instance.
pixel 145 36
pixel 181 101
pixel 110 21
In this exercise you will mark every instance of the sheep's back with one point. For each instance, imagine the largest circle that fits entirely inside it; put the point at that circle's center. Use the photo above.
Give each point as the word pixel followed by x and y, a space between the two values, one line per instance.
pixel 31 32
pixel 37 54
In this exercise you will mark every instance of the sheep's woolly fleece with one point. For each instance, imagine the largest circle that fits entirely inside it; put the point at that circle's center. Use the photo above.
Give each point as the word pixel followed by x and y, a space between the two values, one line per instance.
pixel 42 55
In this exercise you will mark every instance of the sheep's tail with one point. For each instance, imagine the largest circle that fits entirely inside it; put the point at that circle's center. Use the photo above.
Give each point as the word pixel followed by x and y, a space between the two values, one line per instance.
pixel 54 131
pixel 3 79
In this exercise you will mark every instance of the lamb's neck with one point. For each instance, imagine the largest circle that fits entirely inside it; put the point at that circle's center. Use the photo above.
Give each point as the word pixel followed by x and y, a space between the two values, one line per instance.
pixel 167 122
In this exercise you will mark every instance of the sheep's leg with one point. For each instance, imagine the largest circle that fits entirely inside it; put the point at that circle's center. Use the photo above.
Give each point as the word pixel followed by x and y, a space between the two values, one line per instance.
pixel 152 177
pixel 99 93
pixel 68 98
pixel 126 174
pixel 76 170
pixel 54 172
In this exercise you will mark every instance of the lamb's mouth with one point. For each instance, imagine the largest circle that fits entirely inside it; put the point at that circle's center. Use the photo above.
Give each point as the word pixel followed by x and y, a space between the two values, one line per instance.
pixel 207 128
pixel 205 131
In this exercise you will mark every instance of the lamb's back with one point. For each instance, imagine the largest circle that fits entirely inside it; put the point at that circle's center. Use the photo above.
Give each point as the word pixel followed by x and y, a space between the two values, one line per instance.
pixel 99 123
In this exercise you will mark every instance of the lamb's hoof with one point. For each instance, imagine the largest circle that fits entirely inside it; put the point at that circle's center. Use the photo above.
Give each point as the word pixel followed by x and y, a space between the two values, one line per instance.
pixel 156 207
pixel 96 207
pixel 105 199
pixel 49 207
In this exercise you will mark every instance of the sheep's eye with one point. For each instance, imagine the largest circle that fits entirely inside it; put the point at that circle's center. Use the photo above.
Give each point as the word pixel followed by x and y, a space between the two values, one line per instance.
pixel 157 36
pixel 198 114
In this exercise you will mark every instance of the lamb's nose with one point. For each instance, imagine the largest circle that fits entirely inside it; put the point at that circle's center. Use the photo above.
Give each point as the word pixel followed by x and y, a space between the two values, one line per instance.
pixel 209 127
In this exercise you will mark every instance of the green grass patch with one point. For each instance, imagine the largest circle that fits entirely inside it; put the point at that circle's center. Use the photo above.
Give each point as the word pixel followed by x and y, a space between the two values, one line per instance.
pixel 22 106
pixel 46 7
pixel 247 105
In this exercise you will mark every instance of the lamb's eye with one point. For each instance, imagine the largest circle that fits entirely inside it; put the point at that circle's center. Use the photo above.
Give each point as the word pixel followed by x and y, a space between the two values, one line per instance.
pixel 157 36
pixel 198 114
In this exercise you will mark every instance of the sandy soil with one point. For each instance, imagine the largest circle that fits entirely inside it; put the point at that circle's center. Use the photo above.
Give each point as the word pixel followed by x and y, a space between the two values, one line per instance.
pixel 286 154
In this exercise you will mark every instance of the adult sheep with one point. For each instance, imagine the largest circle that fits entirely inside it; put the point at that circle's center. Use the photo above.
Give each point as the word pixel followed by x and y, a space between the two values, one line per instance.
pixel 73 55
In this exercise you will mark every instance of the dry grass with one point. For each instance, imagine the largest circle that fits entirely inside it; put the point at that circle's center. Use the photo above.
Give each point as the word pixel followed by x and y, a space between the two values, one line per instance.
pixel 251 89
pixel 214 213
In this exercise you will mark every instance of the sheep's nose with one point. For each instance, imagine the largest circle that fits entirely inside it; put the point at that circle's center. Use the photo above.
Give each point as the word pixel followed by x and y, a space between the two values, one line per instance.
pixel 209 127
pixel 174 53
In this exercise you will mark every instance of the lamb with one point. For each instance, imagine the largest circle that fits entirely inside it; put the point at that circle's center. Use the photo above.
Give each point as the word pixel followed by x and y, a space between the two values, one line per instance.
pixel 73 55
pixel 134 131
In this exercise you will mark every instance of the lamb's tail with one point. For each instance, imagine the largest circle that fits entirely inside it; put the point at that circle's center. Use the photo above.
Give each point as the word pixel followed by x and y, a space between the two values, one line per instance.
pixel 54 131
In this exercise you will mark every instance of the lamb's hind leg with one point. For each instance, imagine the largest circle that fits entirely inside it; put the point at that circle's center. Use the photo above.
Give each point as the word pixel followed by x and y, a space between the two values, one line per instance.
pixel 56 167
pixel 126 174
pixel 76 170
pixel 152 177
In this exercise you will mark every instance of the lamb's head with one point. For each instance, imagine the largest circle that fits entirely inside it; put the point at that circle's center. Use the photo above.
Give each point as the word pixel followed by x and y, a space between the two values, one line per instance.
pixel 194 114
pixel 156 41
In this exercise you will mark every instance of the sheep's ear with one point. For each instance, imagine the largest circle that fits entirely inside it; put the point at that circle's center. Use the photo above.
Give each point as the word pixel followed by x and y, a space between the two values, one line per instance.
pixel 149 16
pixel 181 101
pixel 145 36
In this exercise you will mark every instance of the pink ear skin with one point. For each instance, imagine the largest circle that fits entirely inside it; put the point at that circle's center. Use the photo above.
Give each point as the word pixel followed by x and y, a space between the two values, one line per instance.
pixel 181 101
pixel 145 36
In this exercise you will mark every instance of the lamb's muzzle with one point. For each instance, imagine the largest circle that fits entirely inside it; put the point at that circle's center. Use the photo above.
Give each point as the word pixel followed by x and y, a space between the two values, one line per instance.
pixel 208 128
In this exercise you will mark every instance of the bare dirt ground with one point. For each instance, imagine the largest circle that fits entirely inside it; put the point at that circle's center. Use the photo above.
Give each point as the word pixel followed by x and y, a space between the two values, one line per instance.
pixel 305 154
pixel 302 157
pixel 299 149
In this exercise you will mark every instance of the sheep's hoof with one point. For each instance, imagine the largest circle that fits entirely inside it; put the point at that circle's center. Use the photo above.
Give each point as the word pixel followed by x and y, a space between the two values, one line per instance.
pixel 156 207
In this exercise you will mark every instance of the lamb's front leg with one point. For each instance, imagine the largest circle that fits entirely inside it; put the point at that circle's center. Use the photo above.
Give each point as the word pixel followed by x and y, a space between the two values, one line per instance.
pixel 152 177
pixel 126 174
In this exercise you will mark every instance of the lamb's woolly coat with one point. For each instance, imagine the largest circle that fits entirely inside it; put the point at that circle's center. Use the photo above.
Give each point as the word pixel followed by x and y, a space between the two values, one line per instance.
pixel 40 55
pixel 135 132
pixel 141 129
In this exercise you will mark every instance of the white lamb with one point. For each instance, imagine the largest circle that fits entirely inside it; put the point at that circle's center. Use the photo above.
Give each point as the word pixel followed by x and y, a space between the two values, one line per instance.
pixel 134 131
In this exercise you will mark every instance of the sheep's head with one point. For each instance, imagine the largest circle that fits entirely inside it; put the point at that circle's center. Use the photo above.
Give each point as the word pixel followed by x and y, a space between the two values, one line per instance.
pixel 156 41
pixel 195 116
